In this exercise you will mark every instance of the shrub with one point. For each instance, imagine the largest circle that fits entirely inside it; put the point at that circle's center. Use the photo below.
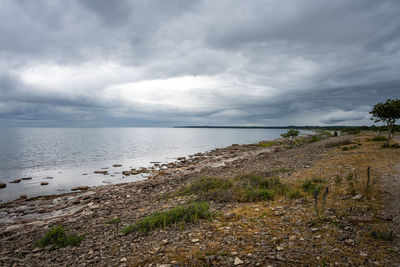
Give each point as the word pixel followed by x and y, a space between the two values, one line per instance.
pixel 57 238
pixel 351 130
pixel 338 179
pixel 383 235
pixel 259 194
pixel 395 145
pixel 318 180
pixel 379 138
pixel 192 212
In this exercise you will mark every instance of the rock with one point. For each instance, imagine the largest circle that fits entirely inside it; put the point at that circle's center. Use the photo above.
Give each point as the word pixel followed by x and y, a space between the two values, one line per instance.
pixel 229 215
pixel 314 230
pixel 195 240
pixel 124 259
pixel 360 219
pixel 358 197
pixel 237 261
pixel 16 181
pixel 48 177
pixel 26 178
pixel 82 187
pixel 23 197
pixel 384 217
pixel 164 242
pixel 3 185
pixel 127 173
pixel 116 165
pixel 279 248
pixel 44 183
pixel 101 172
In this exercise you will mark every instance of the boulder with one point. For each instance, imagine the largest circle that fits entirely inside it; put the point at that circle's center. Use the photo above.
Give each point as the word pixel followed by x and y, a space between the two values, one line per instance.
pixel 101 172
pixel 44 183
pixel 127 173
pixel 82 187
pixel 3 185
pixel 26 178
pixel 16 181
pixel 116 165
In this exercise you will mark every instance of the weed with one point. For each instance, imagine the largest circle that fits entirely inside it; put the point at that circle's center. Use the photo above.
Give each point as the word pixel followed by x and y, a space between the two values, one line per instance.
pixel 57 238
pixel 345 148
pixel 267 144
pixel 338 179
pixel 350 177
pixel 192 212
pixel 294 194
pixel 379 138
pixel 259 194
pixel 310 187
pixel 383 235
pixel 114 221
pixel 281 170
pixel 314 138
pixel 351 190
pixel 318 180
pixel 339 143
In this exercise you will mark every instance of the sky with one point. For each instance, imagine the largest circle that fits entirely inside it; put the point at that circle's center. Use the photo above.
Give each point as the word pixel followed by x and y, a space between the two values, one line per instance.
pixel 189 62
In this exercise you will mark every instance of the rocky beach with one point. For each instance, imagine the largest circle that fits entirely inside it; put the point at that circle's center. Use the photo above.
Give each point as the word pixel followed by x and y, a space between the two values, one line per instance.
pixel 358 224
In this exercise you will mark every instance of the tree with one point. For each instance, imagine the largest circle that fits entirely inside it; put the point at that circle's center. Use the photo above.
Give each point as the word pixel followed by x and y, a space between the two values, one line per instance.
pixel 290 133
pixel 388 113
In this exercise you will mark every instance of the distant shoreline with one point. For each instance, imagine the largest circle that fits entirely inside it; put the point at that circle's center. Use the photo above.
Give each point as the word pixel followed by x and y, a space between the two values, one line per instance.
pixel 266 127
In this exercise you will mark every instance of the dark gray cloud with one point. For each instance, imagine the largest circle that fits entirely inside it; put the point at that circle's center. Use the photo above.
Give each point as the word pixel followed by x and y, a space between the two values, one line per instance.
pixel 182 62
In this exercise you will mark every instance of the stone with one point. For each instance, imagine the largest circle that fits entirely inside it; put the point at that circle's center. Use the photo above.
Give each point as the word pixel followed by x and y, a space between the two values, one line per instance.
pixel 360 219
pixel 229 215
pixel 3 185
pixel 279 248
pixel 195 240
pixel 82 187
pixel 117 165
pixel 314 230
pixel 124 259
pixel 44 183
pixel 127 173
pixel 101 172
pixel 384 217
pixel 237 261
pixel 358 197
pixel 26 178
pixel 16 181
pixel 23 197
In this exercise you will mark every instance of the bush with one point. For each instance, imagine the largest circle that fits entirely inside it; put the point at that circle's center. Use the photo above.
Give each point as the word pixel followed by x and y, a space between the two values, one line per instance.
pixel 114 221
pixel 383 235
pixel 318 180
pixel 395 145
pixel 379 138
pixel 192 212
pixel 259 194
pixel 57 238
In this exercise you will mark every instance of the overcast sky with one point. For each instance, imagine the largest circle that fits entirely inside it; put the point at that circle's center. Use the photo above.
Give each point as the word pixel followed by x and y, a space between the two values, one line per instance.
pixel 181 62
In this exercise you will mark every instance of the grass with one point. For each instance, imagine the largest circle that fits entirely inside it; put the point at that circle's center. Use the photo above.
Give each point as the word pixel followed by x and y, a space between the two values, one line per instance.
pixel 114 221
pixel 267 144
pixel 379 138
pixel 192 212
pixel 294 194
pixel 383 235
pixel 243 188
pixel 314 138
pixel 338 179
pixel 57 238
pixel 310 187
pixel 345 148
pixel 339 143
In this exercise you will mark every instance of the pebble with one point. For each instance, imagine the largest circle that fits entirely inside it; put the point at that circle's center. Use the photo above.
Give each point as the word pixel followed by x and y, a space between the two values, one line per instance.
pixel 195 240
pixel 44 183
pixel 279 248
pixel 124 259
pixel 237 261
pixel 358 197
pixel 314 229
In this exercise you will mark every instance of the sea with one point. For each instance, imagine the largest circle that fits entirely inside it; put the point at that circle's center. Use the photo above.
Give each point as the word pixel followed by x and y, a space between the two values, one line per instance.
pixel 68 157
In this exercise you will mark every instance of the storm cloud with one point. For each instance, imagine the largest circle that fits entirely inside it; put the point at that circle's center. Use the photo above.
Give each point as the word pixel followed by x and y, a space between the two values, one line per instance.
pixel 178 62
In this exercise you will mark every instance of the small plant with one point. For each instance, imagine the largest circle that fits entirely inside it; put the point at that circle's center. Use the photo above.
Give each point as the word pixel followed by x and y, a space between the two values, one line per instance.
pixel 350 177
pixel 320 210
pixel 352 191
pixel 267 144
pixel 383 235
pixel 192 212
pixel 338 179
pixel 318 180
pixel 291 133
pixel 310 187
pixel 259 194
pixel 368 177
pixel 316 210
pixel 294 194
pixel 114 221
pixel 339 143
pixel 57 238
pixel 345 148
pixel 379 138
pixel 314 138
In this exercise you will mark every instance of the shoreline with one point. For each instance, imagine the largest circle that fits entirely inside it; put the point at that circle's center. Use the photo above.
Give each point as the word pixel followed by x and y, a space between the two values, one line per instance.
pixel 25 221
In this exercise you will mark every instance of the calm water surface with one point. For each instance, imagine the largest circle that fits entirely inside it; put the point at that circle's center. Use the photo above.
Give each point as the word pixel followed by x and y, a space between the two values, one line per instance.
pixel 67 153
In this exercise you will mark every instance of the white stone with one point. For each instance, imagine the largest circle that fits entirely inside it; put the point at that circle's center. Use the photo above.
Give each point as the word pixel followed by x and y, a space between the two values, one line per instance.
pixel 237 261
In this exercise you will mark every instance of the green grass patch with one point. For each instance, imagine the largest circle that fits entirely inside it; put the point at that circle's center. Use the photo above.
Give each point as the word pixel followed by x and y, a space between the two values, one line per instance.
pixel 310 186
pixel 267 144
pixel 383 235
pixel 314 138
pixel 190 213
pixel 243 188
pixel 114 221
pixel 294 194
pixel 57 238
pixel 379 138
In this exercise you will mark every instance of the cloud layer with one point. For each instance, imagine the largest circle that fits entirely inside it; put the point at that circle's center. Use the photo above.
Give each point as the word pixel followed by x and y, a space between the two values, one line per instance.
pixel 164 63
